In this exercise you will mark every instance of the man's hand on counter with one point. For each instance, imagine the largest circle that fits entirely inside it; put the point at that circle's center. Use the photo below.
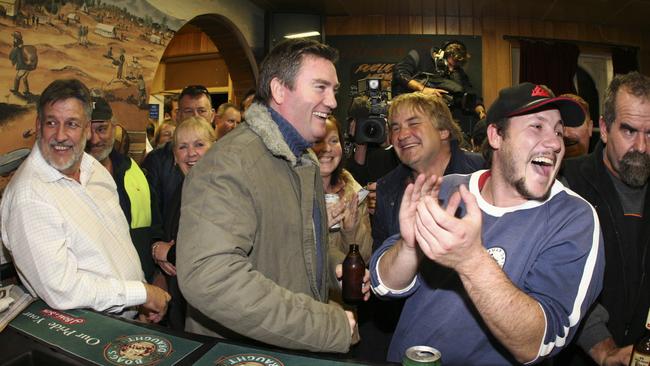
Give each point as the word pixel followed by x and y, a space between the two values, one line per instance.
pixel 155 308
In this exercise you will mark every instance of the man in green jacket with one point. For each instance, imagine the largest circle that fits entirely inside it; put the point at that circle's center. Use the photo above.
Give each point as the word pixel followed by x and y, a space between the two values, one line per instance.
pixel 252 243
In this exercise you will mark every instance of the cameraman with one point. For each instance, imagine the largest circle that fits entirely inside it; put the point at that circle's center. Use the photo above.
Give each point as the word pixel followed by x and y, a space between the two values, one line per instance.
pixel 367 162
pixel 439 71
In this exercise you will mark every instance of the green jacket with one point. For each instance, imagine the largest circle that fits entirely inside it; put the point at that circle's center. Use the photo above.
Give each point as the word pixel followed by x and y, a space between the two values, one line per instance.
pixel 246 256
pixel 138 207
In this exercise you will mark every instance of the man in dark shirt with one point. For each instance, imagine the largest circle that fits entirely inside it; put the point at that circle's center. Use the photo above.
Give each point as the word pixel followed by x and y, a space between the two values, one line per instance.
pixel 614 179
pixel 439 72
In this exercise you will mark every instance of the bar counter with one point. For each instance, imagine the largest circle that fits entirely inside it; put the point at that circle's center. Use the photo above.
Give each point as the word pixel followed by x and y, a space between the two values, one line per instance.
pixel 40 335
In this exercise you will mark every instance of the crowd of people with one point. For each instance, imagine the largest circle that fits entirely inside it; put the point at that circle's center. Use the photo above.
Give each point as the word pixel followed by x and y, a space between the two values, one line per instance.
pixel 534 250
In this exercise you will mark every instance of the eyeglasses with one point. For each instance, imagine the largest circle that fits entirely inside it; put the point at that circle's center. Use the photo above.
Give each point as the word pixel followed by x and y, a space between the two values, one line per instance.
pixel 194 91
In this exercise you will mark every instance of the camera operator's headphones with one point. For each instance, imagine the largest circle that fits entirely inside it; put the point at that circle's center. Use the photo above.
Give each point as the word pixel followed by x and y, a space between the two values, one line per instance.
pixel 460 54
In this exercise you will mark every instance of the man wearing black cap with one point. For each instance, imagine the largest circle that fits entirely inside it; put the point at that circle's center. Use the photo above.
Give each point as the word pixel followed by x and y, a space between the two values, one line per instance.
pixel 498 267
pixel 132 186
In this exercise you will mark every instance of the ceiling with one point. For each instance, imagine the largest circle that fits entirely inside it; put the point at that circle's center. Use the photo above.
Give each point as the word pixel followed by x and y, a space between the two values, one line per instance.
pixel 634 13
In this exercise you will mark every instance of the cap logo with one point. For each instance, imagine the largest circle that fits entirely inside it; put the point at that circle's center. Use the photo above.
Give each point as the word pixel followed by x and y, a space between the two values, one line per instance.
pixel 540 92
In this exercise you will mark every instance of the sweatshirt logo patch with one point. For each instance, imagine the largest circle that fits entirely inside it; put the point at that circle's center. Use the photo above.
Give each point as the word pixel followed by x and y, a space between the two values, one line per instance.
pixel 138 349
pixel 248 359
pixel 498 254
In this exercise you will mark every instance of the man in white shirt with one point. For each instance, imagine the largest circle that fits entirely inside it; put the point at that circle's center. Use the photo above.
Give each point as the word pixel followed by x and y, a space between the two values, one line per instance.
pixel 62 223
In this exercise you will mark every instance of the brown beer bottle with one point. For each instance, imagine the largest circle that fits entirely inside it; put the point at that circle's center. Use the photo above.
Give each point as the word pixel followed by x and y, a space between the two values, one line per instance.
pixel 353 271
pixel 641 352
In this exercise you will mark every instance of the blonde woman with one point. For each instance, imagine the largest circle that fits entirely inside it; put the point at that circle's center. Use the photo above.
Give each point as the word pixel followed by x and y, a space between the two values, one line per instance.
pixel 191 140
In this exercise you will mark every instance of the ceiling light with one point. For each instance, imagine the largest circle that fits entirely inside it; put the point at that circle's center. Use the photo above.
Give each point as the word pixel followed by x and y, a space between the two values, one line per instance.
pixel 302 35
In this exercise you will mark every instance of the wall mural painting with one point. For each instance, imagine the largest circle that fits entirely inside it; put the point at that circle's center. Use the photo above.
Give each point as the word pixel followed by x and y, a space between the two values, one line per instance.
pixel 113 46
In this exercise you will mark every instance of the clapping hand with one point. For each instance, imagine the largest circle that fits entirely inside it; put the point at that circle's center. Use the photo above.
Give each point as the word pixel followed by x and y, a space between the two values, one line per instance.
pixel 414 192
pixel 450 241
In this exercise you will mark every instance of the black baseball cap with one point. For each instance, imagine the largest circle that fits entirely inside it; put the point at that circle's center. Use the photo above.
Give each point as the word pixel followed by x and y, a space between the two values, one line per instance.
pixel 527 98
pixel 102 111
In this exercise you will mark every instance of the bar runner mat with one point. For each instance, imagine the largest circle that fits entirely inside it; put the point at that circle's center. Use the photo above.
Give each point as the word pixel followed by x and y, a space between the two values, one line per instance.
pixel 102 339
pixel 224 354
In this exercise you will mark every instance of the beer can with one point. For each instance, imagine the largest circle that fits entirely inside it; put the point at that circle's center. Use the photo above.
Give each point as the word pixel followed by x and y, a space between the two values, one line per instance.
pixel 422 356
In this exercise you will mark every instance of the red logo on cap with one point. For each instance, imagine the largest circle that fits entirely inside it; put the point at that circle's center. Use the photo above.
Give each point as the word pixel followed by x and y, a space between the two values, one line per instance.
pixel 540 92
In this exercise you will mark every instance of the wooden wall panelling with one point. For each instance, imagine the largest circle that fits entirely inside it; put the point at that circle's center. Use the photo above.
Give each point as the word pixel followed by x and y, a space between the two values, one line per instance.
pixel 466 17
pixel 503 57
pixel 415 24
pixel 377 24
pixel 466 26
pixel 478 26
pixel 428 8
pixel 466 8
pixel 189 43
pixel 514 25
pixel 452 25
pixel 570 31
pixel 644 53
pixel 392 24
pixel 428 24
pixel 488 37
pixel 452 7
pixel 524 27
pixel 334 25
pixel 441 25
pixel 414 7
pixel 549 30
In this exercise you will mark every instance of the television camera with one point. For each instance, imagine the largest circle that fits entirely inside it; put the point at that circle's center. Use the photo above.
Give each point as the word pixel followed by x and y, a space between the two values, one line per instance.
pixel 369 109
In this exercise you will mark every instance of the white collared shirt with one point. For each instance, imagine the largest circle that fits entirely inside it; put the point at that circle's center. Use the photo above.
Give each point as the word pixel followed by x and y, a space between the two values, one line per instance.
pixel 70 241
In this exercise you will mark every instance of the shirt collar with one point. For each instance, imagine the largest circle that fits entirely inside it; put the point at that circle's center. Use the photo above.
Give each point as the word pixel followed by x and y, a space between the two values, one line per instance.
pixel 297 144
pixel 50 174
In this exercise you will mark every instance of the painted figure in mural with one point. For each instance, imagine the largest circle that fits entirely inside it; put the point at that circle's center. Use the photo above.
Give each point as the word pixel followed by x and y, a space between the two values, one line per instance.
pixel 25 60
pixel 120 64
pixel 142 92
pixel 109 53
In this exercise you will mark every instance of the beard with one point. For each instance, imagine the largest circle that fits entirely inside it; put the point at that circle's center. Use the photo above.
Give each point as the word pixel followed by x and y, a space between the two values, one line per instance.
pixel 520 186
pixel 518 183
pixel 77 153
pixel 102 155
pixel 634 169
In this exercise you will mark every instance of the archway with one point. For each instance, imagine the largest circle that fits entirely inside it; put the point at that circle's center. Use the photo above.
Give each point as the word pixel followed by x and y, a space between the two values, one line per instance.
pixel 233 48
pixel 227 44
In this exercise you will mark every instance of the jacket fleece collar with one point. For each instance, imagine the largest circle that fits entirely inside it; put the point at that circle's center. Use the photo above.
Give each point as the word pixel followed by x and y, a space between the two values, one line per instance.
pixel 259 120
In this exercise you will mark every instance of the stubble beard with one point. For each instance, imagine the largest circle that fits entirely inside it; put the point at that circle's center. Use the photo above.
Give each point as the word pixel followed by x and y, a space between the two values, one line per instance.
pixel 104 153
